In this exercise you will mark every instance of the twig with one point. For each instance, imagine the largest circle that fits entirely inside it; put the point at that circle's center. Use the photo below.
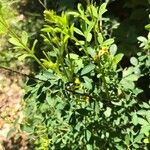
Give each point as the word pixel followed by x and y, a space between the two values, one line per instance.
pixel 43 3
pixel 22 74
pixel 29 76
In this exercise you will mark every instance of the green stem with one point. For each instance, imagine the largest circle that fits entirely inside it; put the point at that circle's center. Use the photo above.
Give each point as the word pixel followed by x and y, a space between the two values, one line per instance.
pixel 13 34
pixel 66 74
pixel 39 62
pixel 71 65
pixel 61 58
pixel 95 23
pixel 105 86
pixel 104 82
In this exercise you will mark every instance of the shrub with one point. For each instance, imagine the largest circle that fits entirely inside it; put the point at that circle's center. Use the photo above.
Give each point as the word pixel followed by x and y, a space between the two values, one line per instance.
pixel 83 98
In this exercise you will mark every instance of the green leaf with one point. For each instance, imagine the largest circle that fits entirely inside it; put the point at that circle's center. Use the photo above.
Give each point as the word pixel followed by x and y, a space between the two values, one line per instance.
pixel 147 27
pixel 119 147
pixel 79 63
pixel 107 113
pixel 88 135
pixel 113 49
pixel 145 105
pixel 28 129
pixel 66 38
pixel 49 75
pixel 88 82
pixel 24 38
pixel 22 57
pixel 94 11
pixel 137 70
pixel 108 42
pixel 78 31
pixel 148 36
pixel 102 9
pixel 136 146
pixel 47 29
pixel 117 58
pixel 146 133
pixel 134 61
pixel 75 14
pixel 15 42
pixel 145 128
pixel 148 116
pixel 127 71
pixel 91 52
pixel 127 84
pixel 80 9
pixel 142 121
pixel 135 119
pixel 141 112
pixel 72 30
pixel 127 139
pixel 100 38
pixel 90 27
pixel 74 56
pixel 89 37
pixel 33 46
pixel 89 147
pixel 142 39
pixel 138 138
pixel 146 141
pixel 117 103
pixel 87 69
pixel 132 77
pixel 80 43
pixel 50 101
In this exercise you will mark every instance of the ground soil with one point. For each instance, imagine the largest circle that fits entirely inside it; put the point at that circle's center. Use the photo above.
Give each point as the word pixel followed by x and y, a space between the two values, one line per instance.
pixel 11 114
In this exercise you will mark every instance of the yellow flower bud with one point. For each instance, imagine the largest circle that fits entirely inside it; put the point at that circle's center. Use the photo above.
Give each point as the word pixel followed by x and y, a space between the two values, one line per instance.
pixel 77 81
pixel 102 51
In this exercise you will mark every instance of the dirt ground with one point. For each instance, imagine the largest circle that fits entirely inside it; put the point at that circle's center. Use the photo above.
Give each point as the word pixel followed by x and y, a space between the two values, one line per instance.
pixel 11 115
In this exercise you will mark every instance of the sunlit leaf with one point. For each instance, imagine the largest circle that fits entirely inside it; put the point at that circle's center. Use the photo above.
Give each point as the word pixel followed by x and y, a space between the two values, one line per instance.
pixel 147 27
pixel 89 37
pixel 107 113
pixel 87 69
pixel 78 31
pixel 15 42
pixel 113 49
pixel 102 9
pixel 134 61
pixel 108 42
pixel 100 38
pixel 88 135
pixel 24 38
